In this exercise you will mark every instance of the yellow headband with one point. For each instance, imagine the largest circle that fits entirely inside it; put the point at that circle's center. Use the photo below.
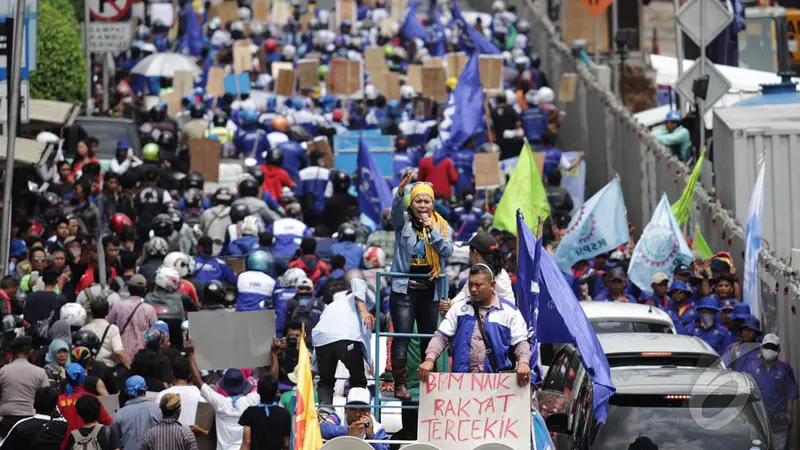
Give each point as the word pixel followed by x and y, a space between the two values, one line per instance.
pixel 422 188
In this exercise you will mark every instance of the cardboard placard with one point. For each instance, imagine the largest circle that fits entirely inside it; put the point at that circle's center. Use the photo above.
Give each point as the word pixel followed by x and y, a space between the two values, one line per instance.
pixel 174 103
pixel 487 170
pixel 495 406
pixel 206 154
pixel 183 82
pixel 215 85
pixel 422 106
pixel 538 159
pixel 433 83
pixel 110 403
pixel 236 264
pixel 455 63
pixel 204 418
pixel 433 62
pixel 387 26
pixel 345 77
pixel 388 84
pixel 566 88
pixel 280 11
pixel 578 23
pixel 397 9
pixel 491 68
pixel 285 84
pixel 224 339
pixel 305 20
pixel 414 77
pixel 307 74
pixel 278 66
pixel 260 10
pixel 237 84
pixel 242 58
pixel 374 60
pixel 226 11
pixel 345 10
pixel 320 144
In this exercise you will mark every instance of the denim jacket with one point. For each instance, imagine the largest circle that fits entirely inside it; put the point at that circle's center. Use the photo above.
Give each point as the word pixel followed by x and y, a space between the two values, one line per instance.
pixel 405 239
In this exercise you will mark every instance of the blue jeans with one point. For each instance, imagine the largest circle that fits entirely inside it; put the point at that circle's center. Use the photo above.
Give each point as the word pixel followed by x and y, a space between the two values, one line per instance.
pixel 779 431
pixel 416 305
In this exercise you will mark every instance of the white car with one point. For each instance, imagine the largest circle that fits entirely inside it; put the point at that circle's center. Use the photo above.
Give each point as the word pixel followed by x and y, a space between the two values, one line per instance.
pixel 616 317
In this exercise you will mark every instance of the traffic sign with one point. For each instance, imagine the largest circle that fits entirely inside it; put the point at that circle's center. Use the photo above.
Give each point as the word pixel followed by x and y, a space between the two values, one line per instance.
pixel 111 37
pixel 716 18
pixel 7 45
pixel 108 10
pixel 718 85
pixel 597 7
pixel 24 101
pixel 8 8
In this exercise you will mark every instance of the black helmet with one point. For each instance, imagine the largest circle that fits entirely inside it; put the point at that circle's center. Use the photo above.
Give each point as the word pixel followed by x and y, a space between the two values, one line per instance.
pixel 51 199
pixel 340 180
pixel 176 216
pixel 158 112
pixel 536 61
pixel 274 157
pixel 297 133
pixel 194 180
pixel 293 210
pixel 193 198
pixel 214 293
pixel 222 196
pixel 197 111
pixel 257 172
pixel 248 187
pixel 485 222
pixel 162 226
pixel 239 212
pixel 86 338
pixel 386 220
pixel 220 119
pixel 347 232
pixel 167 141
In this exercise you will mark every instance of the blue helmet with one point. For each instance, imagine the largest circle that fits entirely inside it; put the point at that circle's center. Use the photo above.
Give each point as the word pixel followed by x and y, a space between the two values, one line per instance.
pixel 249 117
pixel 272 103
pixel 260 261
pixel 673 116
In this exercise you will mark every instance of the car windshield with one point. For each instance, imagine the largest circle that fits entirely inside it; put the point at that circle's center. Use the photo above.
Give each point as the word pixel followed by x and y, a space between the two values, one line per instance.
pixel 664 359
pixel 107 135
pixel 629 326
pixel 680 427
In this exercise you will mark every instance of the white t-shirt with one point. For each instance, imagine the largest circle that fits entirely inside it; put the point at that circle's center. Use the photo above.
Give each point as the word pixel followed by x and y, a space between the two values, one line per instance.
pixel 229 432
pixel 112 343
pixel 190 397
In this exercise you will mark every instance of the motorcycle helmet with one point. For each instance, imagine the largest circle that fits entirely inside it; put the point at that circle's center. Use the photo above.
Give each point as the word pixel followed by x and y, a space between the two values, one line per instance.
pixel 279 123
pixel 158 113
pixel 162 226
pixel 81 354
pixel 260 261
pixel 274 157
pixel 176 217
pixel 222 196
pixel 167 141
pixel 346 232
pixel 340 180
pixel 180 262
pixel 150 152
pixel 168 278
pixel 374 258
pixel 293 210
pixel 197 111
pixel 257 173
pixel 214 293
pixel 51 200
pixel 239 212
pixel 87 339
pixel 156 246
pixel 485 222
pixel 193 199
pixel 194 180
pixel 251 226
pixel 248 187
pixel 74 314
pixel 291 277
pixel 220 119
pixel 119 222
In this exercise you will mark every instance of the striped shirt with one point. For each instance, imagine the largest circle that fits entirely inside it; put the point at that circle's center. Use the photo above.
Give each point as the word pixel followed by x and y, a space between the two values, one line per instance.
pixel 133 335
pixel 169 434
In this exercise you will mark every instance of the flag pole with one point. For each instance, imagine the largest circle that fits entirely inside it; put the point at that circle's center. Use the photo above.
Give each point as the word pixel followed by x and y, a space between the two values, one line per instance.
pixel 539 227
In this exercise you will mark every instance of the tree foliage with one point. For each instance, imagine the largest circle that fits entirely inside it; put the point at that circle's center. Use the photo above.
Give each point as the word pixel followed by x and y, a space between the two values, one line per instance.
pixel 61 65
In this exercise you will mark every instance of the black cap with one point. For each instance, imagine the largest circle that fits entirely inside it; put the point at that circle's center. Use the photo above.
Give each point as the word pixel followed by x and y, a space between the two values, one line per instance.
pixel 682 269
pixel 483 242
pixel 617 274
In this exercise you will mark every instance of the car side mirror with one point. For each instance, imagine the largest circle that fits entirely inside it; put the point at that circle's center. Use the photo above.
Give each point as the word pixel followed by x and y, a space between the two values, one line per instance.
pixel 558 423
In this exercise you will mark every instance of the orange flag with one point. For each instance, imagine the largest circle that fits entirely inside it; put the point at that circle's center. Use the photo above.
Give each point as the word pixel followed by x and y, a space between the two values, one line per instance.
pixel 307 435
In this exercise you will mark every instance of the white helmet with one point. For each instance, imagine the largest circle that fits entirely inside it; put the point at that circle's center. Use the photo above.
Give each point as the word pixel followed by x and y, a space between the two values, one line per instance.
pixel 46 137
pixel 291 277
pixel 498 6
pixel 407 92
pixel 511 97
pixel 371 92
pixel 74 314
pixel 156 246
pixel 251 226
pixel 545 95
pixel 374 258
pixel 168 278
pixel 180 262
pixel 531 98
pixel 289 52
pixel 244 13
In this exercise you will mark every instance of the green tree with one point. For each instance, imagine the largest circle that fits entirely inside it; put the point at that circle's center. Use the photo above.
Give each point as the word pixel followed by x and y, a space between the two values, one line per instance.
pixel 61 67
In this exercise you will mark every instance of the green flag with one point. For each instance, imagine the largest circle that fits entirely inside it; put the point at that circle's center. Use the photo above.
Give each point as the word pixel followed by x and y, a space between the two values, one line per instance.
pixel 681 208
pixel 700 245
pixel 524 191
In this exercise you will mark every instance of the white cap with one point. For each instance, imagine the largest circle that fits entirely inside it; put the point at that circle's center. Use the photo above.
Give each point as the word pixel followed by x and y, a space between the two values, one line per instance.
pixel 771 338
pixel 658 278
pixel 358 395
pixel 305 283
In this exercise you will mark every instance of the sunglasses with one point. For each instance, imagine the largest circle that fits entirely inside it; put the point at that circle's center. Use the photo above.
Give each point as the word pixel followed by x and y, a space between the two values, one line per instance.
pixel 39 259
pixel 774 347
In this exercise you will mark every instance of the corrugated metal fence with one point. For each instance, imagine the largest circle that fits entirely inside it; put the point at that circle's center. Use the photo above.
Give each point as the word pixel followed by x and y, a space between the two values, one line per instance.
pixel 615 143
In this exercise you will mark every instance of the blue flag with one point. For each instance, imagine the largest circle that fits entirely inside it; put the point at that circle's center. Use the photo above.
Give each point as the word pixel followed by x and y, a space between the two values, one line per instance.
pixel 528 274
pixel 599 226
pixel 752 244
pixel 464 111
pixel 438 39
pixel 192 41
pixel 412 28
pixel 374 194
pixel 661 248
pixel 469 39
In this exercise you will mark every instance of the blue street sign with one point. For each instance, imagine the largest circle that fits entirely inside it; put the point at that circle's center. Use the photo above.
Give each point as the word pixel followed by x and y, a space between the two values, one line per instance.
pixel 32 28
pixel 4 62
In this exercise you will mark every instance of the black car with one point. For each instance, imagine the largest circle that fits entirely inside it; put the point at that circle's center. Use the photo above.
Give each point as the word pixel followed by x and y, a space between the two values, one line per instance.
pixel 667 409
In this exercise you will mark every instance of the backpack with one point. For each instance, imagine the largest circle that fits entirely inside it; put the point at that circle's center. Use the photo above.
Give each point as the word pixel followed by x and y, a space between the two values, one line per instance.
pixel 90 441
pixel 305 310
pixel 312 266
pixel 332 286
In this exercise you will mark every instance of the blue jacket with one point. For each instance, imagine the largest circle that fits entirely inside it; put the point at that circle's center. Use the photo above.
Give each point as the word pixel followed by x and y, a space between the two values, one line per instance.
pixel 332 427
pixel 400 161
pixel 405 238
pixel 683 320
pixel 318 289
pixel 294 159
pixel 777 383
pixel 534 122
pixel 739 355
pixel 239 247
pixel 251 142
pixel 312 181
pixel 466 221
pixel 288 234
pixel 552 157
pixel 351 251
pixel 463 160
pixel 209 268
pixel 716 336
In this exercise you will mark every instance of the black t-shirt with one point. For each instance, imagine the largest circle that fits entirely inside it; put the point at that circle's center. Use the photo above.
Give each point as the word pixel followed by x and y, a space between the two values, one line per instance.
pixel 103 438
pixel 40 304
pixel 36 434
pixel 267 433
pixel 287 361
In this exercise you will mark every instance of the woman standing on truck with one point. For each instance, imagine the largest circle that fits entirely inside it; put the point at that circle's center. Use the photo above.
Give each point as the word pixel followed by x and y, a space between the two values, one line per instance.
pixel 84 155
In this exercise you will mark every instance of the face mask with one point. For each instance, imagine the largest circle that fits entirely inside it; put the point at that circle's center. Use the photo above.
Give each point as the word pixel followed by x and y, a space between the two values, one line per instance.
pixel 769 355
pixel 75 252
pixel 708 319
